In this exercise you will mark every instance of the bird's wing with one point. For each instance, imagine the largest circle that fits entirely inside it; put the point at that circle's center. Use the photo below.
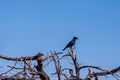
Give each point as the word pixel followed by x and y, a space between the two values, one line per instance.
pixel 68 45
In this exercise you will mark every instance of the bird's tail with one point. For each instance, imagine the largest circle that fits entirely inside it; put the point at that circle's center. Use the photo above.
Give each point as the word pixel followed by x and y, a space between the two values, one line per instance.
pixel 64 48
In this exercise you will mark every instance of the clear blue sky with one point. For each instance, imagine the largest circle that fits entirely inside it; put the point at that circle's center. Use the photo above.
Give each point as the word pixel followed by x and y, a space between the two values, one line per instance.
pixel 28 27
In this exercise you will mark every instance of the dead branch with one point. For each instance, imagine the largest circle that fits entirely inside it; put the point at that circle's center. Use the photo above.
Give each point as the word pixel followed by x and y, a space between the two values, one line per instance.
pixel 57 66
pixel 21 58
pixel 103 73
pixel 40 70
pixel 94 67
pixel 73 56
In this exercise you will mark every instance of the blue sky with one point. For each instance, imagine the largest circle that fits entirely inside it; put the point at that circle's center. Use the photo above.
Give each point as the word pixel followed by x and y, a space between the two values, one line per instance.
pixel 28 27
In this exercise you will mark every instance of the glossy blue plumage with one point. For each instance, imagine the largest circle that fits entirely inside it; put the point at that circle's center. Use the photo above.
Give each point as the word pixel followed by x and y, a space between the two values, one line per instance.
pixel 71 43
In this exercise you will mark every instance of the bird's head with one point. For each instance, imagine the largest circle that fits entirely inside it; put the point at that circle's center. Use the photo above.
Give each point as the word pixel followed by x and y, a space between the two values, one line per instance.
pixel 75 38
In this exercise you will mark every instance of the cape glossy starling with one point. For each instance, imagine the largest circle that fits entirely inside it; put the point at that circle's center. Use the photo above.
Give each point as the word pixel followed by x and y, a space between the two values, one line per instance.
pixel 71 43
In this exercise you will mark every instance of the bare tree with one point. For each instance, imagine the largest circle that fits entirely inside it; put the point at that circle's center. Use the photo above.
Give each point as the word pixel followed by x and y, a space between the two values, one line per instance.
pixel 26 70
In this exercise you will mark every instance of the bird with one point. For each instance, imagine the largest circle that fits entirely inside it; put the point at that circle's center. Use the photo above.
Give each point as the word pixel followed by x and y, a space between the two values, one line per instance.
pixel 71 43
